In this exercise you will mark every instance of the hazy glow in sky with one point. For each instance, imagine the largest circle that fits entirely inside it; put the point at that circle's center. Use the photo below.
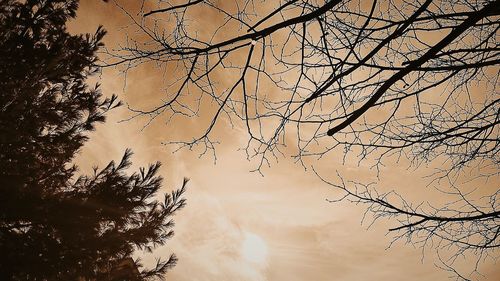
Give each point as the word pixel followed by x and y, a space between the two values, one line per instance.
pixel 254 248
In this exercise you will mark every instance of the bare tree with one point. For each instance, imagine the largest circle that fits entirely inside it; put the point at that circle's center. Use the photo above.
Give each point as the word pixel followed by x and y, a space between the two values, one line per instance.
pixel 378 79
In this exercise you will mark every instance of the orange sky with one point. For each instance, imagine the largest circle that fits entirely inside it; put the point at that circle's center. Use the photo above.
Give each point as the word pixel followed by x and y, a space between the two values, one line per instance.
pixel 305 237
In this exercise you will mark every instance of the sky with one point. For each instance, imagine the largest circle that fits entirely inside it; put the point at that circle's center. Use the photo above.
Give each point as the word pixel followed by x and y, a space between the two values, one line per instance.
pixel 241 225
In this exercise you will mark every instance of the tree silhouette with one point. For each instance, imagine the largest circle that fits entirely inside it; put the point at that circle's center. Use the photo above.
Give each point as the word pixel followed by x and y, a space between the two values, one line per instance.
pixel 373 80
pixel 55 225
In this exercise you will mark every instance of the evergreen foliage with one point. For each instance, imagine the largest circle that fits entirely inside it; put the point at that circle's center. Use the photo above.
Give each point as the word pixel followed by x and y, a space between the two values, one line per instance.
pixel 54 224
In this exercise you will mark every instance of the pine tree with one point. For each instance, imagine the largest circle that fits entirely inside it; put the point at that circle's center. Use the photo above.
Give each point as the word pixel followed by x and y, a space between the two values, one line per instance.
pixel 54 224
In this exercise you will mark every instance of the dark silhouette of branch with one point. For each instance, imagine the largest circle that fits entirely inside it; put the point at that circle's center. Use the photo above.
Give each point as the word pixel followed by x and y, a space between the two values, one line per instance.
pixel 190 3
pixel 492 8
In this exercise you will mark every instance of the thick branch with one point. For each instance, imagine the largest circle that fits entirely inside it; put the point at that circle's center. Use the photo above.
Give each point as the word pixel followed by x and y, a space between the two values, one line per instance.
pixel 493 8
pixel 172 8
